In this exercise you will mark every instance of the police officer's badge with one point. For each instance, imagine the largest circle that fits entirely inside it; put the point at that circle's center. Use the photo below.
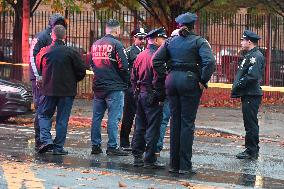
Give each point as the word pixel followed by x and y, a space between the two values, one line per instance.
pixel 252 60
pixel 243 62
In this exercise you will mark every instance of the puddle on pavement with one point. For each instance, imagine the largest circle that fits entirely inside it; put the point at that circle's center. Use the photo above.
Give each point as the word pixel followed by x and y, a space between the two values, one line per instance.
pixel 205 175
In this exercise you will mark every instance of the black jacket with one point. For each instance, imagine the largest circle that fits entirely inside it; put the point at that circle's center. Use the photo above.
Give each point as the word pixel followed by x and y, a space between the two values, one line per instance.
pixel 132 53
pixel 41 39
pixel 109 64
pixel 61 68
pixel 249 74
pixel 192 53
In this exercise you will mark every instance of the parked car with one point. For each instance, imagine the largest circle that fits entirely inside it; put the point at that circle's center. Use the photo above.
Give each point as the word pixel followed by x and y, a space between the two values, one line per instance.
pixel 230 65
pixel 15 99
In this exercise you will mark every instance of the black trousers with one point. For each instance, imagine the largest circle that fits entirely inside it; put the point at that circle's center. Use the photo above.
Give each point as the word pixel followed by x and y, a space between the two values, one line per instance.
pixel 147 129
pixel 250 106
pixel 184 95
pixel 129 111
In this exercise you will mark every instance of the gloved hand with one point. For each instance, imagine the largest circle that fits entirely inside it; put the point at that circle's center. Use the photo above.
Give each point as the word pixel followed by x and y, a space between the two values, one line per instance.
pixel 155 97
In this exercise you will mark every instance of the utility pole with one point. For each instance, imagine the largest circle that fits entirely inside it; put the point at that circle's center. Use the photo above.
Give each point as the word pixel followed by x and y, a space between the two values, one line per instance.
pixel 25 39
pixel 25 31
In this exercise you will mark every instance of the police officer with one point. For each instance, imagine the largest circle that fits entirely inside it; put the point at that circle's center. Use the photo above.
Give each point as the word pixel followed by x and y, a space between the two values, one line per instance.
pixel 129 102
pixel 149 104
pixel 41 39
pixel 247 87
pixel 192 65
pixel 111 76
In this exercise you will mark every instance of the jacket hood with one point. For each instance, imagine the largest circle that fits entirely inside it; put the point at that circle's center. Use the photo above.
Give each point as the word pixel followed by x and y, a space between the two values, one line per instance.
pixel 56 17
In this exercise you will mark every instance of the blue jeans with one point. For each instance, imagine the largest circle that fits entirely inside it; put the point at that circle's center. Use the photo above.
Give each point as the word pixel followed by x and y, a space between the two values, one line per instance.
pixel 164 124
pixel 47 107
pixel 113 101
pixel 36 98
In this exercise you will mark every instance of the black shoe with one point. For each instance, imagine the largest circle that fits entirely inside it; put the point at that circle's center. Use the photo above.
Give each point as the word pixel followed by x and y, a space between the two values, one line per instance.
pixel 116 152
pixel 155 165
pixel 247 155
pixel 138 162
pixel 173 170
pixel 44 148
pixel 96 150
pixel 126 148
pixel 187 172
pixel 60 152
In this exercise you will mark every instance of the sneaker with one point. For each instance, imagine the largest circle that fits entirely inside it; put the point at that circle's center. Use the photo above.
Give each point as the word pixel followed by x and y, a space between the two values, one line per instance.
pixel 138 162
pixel 60 152
pixel 44 148
pixel 116 152
pixel 96 150
pixel 155 165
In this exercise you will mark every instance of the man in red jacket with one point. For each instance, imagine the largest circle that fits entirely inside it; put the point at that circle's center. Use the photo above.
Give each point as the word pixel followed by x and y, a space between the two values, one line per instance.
pixel 61 67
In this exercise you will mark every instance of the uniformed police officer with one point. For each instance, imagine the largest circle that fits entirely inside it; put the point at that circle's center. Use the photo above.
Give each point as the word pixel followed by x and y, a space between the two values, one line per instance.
pixel 41 39
pixel 111 76
pixel 247 87
pixel 192 65
pixel 129 109
pixel 149 104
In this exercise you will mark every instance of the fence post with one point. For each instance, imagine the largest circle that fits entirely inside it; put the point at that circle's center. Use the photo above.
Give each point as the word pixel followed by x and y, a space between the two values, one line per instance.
pixel 268 52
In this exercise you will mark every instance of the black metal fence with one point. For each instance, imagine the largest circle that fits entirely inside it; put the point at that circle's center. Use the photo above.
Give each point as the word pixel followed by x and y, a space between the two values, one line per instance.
pixel 223 31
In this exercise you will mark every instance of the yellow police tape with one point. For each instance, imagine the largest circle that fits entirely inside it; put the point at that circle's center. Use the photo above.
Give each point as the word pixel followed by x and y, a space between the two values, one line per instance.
pixel 213 85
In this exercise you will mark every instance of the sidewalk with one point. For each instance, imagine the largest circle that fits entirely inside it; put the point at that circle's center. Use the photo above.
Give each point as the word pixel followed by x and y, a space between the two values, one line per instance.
pixel 225 120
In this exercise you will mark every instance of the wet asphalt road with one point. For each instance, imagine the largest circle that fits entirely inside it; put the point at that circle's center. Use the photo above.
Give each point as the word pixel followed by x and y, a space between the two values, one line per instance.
pixel 213 157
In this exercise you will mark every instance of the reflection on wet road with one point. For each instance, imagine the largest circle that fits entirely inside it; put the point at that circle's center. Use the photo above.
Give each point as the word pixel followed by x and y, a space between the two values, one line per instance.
pixel 213 158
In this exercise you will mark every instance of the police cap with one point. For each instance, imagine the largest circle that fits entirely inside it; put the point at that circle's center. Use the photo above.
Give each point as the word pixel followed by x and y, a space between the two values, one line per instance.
pixel 112 23
pixel 160 32
pixel 186 18
pixel 139 32
pixel 249 35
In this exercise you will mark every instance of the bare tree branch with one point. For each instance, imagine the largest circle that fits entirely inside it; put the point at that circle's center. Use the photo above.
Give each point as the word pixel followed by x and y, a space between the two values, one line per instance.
pixel 35 6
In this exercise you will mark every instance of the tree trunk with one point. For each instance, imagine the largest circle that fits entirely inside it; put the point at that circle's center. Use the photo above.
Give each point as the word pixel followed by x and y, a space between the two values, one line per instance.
pixel 17 72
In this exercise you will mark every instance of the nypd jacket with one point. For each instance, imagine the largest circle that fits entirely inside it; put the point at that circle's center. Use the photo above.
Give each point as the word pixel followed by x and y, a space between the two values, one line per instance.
pixel 191 53
pixel 109 64
pixel 249 74
pixel 41 39
pixel 61 68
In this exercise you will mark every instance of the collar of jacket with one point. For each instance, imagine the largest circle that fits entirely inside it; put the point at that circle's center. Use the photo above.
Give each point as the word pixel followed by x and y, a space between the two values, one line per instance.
pixel 152 46
pixel 58 42
pixel 109 35
pixel 251 51
pixel 139 48
pixel 192 33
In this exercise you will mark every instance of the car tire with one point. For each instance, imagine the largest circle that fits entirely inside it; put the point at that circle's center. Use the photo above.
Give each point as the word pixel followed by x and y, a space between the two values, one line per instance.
pixel 3 118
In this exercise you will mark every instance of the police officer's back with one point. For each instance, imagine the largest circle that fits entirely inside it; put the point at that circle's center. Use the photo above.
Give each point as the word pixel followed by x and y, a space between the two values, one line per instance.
pixel 192 65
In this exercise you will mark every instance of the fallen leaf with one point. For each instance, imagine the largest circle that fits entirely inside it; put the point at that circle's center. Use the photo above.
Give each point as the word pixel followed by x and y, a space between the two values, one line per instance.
pixel 121 184
pixel 85 171
pixel 187 184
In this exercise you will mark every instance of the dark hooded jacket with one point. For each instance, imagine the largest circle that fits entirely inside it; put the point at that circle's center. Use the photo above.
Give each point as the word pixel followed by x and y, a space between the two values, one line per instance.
pixel 61 68
pixel 42 39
